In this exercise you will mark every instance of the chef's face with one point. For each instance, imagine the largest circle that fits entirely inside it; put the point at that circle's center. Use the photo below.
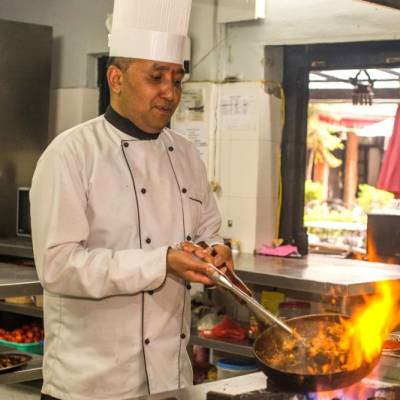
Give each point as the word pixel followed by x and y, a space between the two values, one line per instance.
pixel 146 92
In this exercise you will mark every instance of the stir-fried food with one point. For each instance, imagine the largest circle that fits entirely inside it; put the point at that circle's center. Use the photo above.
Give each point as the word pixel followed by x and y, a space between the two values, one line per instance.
pixel 321 352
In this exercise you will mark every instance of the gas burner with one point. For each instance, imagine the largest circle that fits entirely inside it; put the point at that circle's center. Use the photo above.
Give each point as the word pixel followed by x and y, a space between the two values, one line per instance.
pixel 263 394
pixel 355 392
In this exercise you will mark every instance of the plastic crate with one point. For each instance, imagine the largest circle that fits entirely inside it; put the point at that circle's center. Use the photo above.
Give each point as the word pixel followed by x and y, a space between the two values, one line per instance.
pixel 36 348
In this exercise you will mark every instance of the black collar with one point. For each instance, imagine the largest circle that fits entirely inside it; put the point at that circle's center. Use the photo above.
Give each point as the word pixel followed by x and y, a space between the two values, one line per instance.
pixel 126 126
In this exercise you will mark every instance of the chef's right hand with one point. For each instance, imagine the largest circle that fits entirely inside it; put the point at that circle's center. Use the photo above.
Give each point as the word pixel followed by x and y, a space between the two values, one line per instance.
pixel 184 265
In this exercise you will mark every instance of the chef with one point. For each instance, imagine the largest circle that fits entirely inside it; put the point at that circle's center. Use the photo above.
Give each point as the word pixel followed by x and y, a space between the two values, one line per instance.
pixel 110 199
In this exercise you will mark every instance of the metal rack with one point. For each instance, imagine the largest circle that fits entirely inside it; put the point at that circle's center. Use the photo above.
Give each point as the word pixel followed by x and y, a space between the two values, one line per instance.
pixel 241 349
pixel 16 280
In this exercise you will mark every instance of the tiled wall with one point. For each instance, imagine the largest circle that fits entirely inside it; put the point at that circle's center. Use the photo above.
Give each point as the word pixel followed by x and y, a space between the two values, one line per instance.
pixel 246 160
pixel 249 160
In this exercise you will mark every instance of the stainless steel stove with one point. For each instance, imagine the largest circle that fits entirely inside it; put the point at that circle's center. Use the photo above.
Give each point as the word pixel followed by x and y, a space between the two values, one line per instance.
pixel 254 387
pixel 365 390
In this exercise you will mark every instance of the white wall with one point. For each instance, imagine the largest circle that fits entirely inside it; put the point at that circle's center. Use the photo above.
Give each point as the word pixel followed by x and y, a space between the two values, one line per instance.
pixel 70 107
pixel 78 30
pixel 203 32
pixel 288 22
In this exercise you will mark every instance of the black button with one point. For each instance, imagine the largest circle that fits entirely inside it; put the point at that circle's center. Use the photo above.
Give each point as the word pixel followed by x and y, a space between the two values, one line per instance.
pixel 183 336
pixel 126 144
pixel 146 341
pixel 148 240
pixel 143 190
pixel 184 190
pixel 150 292
pixel 170 148
pixel 188 286
pixel 188 237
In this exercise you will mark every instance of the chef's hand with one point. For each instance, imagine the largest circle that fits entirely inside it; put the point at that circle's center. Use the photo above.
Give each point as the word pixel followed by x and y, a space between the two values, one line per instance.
pixel 218 255
pixel 198 251
pixel 182 264
pixel 222 255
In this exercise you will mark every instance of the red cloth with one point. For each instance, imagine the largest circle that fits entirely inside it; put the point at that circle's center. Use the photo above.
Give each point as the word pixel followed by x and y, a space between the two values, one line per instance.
pixel 389 176
pixel 226 329
pixel 350 122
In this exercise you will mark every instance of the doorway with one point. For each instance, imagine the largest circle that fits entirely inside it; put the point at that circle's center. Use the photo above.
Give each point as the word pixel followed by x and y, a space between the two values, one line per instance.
pixel 299 63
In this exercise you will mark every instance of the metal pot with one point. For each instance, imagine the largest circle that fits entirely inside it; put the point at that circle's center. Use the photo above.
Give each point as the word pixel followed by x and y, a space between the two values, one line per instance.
pixel 270 342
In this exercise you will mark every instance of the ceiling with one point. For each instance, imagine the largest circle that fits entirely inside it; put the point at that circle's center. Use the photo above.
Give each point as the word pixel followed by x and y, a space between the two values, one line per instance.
pixel 387 3
pixel 383 78
pixel 335 84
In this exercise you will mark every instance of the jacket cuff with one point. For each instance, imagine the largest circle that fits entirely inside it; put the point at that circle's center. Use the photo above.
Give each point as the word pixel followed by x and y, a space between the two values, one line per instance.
pixel 215 240
pixel 160 272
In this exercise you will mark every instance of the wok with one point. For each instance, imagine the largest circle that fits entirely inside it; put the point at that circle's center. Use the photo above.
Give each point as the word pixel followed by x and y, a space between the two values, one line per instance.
pixel 270 342
pixel 305 328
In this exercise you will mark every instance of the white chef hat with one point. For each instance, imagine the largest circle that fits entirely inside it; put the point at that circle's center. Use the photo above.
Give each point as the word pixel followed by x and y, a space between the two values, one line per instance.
pixel 150 29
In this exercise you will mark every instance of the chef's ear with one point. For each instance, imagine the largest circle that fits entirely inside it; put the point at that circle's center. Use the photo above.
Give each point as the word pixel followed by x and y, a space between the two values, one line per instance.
pixel 114 78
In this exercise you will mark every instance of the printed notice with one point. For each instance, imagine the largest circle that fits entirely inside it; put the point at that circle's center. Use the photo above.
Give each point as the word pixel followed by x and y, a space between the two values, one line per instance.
pixel 238 111
pixel 190 120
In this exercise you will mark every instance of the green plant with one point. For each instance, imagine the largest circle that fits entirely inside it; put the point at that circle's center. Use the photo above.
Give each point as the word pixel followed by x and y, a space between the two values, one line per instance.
pixel 370 198
pixel 313 191
pixel 321 142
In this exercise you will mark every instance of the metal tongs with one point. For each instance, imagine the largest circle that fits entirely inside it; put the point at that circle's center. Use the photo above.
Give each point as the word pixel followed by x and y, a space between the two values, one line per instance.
pixel 254 306
pixel 231 282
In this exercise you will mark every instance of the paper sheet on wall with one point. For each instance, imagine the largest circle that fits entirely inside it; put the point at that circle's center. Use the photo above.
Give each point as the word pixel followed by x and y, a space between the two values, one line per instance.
pixel 238 111
pixel 190 120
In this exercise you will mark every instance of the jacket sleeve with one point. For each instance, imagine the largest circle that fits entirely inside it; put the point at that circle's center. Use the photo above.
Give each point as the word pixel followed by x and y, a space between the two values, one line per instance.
pixel 60 231
pixel 210 220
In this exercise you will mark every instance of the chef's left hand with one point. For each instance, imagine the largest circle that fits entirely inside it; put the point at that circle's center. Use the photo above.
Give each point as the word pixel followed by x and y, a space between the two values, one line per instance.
pixel 223 256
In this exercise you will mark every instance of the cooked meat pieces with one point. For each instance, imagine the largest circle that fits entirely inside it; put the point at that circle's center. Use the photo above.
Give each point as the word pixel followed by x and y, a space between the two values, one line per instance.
pixel 322 354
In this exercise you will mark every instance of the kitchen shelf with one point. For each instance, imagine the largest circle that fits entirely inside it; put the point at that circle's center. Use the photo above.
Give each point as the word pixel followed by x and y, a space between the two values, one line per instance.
pixel 241 349
pixel 30 372
pixel 23 309
pixel 16 247
pixel 18 280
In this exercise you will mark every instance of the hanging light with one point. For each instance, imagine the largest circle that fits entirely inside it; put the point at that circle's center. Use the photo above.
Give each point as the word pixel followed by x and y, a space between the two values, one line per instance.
pixel 363 91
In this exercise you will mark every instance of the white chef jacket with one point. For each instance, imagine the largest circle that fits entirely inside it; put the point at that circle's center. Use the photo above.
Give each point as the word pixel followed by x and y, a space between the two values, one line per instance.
pixel 105 206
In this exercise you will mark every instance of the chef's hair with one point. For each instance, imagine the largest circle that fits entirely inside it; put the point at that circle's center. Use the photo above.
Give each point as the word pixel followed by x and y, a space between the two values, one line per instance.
pixel 121 62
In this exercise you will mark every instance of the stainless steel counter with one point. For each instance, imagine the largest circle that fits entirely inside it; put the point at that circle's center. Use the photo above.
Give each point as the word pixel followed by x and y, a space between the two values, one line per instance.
pixel 317 274
pixel 322 275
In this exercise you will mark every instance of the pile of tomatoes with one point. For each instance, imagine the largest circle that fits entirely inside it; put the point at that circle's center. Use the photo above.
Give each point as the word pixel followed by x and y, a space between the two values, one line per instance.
pixel 28 333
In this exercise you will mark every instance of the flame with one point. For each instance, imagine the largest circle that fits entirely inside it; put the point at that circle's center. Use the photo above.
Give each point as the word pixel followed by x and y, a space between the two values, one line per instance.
pixel 371 324
pixel 366 331
pixel 355 392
